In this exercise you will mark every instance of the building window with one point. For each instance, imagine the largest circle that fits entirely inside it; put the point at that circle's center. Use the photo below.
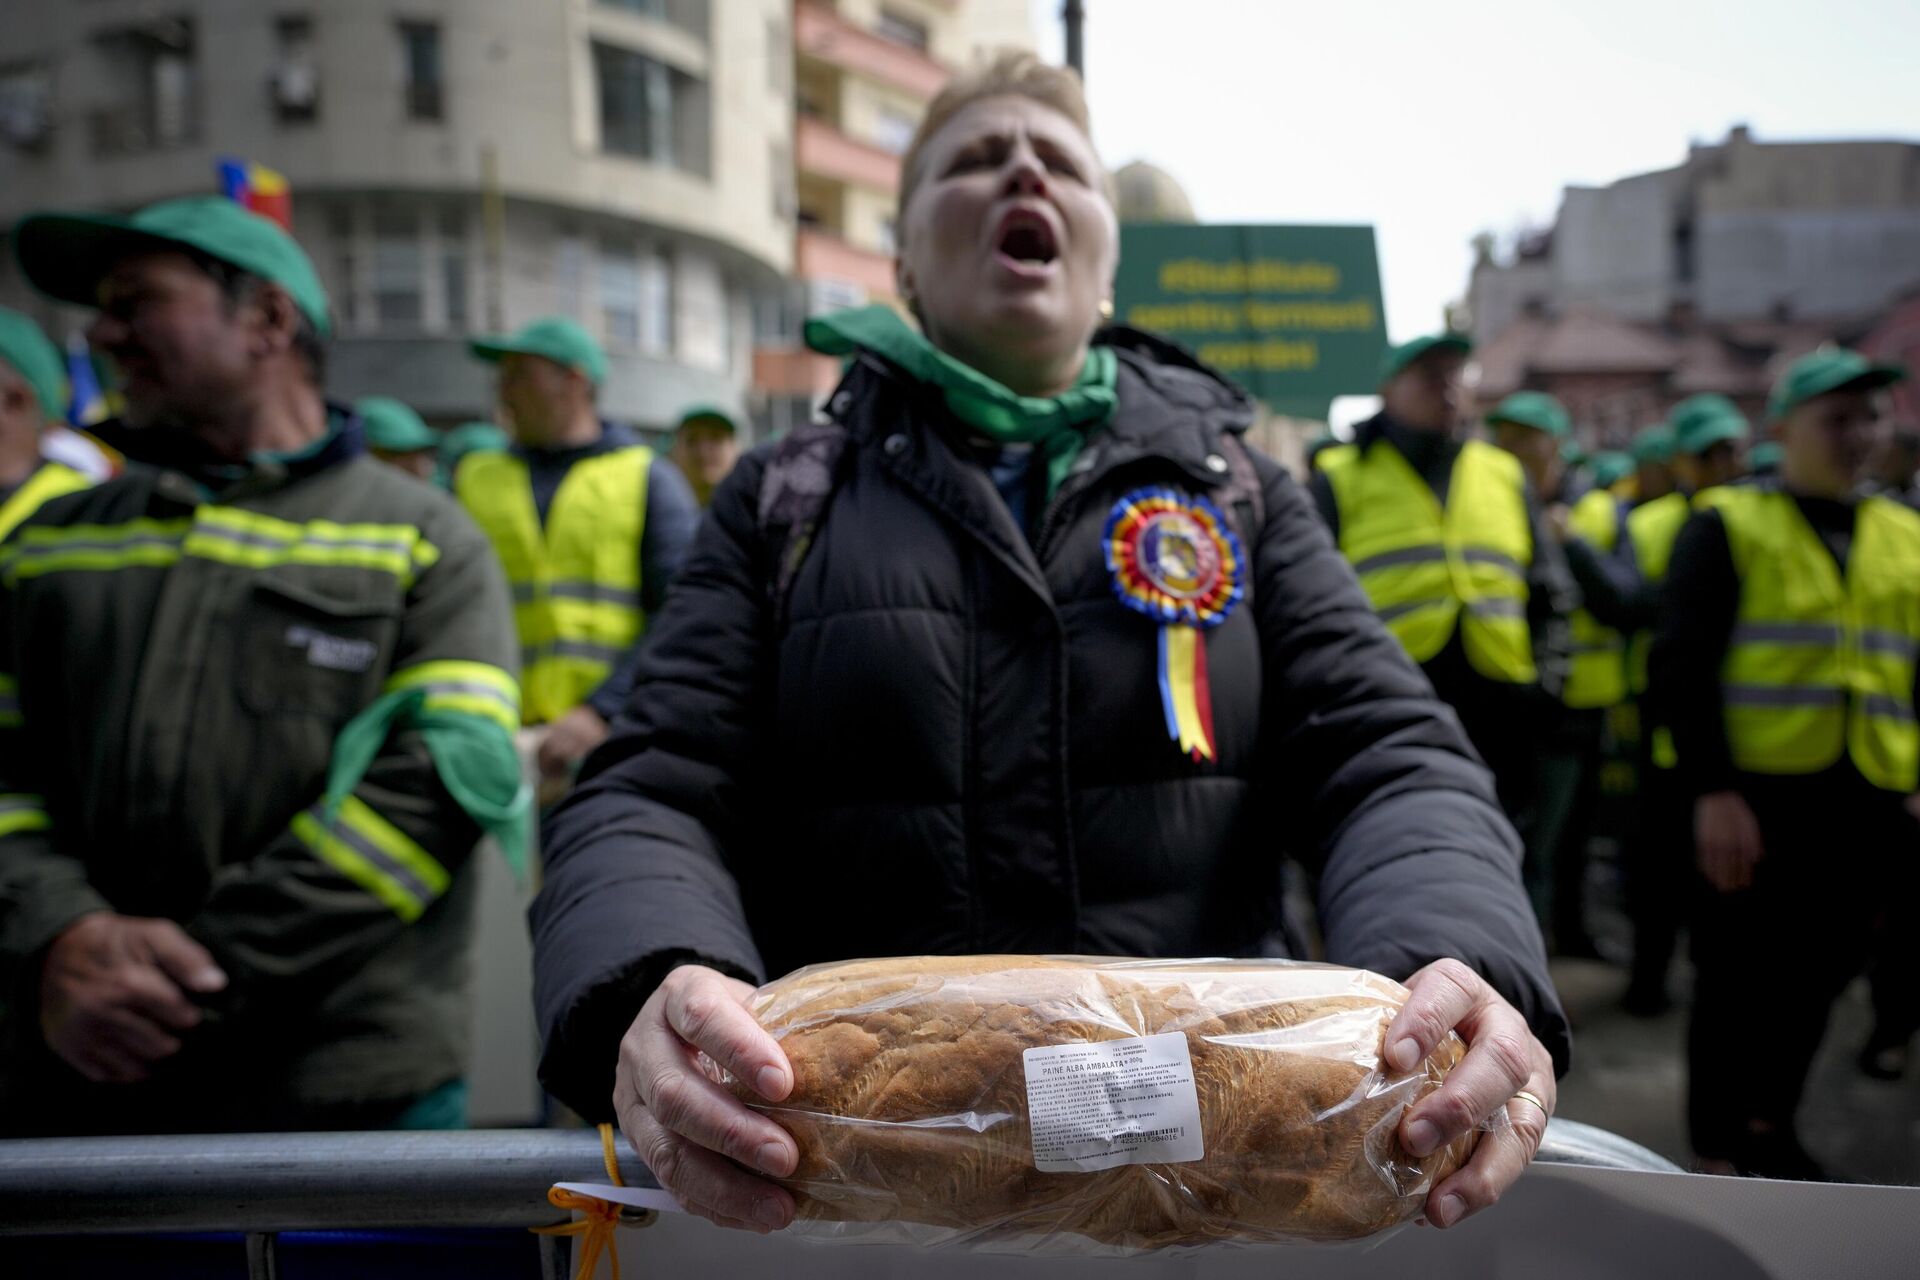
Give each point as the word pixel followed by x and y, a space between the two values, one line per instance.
pixel 656 303
pixel 157 103
pixel 785 200
pixel 453 268
pixel 346 266
pixel 893 130
pixel 294 85
pixel 651 111
pixel 692 16
pixel 399 268
pixel 636 299
pixel 887 236
pixel 26 107
pixel 420 64
pixel 620 297
pixel 900 29
pixel 569 274
pixel 779 56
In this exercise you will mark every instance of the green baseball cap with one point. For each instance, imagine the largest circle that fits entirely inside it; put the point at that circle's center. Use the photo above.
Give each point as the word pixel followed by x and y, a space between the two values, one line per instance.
pixel 1611 467
pixel 709 413
pixel 555 338
pixel 1765 457
pixel 1701 421
pixel 1398 358
pixel 66 255
pixel 35 358
pixel 1653 444
pixel 393 426
pixel 1828 369
pixel 1534 409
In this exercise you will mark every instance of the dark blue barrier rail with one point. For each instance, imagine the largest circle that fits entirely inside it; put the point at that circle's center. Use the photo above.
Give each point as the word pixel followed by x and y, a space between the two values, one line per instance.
pixel 314 1206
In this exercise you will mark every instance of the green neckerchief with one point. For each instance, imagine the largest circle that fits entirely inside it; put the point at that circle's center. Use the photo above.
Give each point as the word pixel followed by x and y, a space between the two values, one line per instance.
pixel 475 759
pixel 1057 425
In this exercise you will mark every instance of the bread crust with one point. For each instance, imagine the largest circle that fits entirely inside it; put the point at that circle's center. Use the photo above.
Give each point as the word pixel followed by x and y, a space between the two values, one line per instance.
pixel 910 1097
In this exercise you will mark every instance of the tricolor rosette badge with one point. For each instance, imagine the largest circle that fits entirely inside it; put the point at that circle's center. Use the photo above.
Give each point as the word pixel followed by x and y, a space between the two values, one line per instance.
pixel 1174 559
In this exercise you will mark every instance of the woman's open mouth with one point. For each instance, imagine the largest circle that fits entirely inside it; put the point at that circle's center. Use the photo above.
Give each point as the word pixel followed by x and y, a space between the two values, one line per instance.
pixel 1026 245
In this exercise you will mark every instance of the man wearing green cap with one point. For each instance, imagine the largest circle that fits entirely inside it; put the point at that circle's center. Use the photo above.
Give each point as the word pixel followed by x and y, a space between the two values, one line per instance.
pixel 705 446
pixel 240 688
pixel 590 526
pixel 33 394
pixel 1708 432
pixel 1652 453
pixel 1785 664
pixel 1450 545
pixel 1536 429
pixel 397 436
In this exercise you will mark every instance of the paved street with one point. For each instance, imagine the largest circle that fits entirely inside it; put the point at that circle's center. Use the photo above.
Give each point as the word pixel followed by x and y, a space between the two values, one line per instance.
pixel 1629 1073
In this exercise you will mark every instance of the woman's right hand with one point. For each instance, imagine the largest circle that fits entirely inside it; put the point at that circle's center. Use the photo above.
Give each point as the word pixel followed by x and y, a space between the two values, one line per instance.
pixel 694 1135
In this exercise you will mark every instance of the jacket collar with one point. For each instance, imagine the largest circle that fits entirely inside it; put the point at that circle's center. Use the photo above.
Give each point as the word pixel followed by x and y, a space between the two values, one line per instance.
pixel 189 474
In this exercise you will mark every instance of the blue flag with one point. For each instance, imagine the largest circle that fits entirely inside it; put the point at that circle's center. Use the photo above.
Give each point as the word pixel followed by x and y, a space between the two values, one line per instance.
pixel 86 405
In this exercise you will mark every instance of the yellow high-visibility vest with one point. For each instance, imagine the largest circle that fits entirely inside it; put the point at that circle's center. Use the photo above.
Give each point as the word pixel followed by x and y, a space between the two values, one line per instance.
pixel 1598 677
pixel 576 583
pixel 1653 527
pixel 1427 570
pixel 50 481
pixel 1819 666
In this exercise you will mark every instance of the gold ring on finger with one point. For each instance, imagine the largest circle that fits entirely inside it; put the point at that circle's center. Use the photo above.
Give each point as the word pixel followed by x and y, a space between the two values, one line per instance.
pixel 1524 1096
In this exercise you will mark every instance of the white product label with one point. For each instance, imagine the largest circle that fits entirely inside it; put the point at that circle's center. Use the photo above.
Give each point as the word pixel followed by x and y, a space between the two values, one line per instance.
pixel 1112 1102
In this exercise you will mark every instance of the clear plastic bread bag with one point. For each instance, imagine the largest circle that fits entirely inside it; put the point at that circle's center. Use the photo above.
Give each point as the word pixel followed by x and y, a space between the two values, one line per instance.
pixel 1092 1106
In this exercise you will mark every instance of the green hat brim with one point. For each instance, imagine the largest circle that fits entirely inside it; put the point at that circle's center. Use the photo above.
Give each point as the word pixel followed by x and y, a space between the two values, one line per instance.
pixel 1871 378
pixel 708 413
pixel 495 348
pixel 1704 437
pixel 67 255
pixel 407 439
pixel 1408 353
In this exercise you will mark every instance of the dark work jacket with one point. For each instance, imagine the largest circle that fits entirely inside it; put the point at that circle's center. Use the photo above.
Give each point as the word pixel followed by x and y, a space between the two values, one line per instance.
pixel 952 742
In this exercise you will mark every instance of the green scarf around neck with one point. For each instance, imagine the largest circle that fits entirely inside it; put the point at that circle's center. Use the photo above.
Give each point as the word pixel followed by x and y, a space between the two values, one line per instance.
pixel 1056 425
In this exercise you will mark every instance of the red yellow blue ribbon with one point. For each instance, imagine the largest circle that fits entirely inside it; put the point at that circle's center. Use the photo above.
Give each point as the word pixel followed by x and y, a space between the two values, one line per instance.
pixel 1174 559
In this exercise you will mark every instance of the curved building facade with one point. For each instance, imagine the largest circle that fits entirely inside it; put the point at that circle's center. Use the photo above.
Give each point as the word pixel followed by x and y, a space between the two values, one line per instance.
pixel 457 166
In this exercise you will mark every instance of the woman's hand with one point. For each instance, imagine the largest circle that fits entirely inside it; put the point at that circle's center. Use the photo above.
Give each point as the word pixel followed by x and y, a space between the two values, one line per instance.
pixel 1503 1057
pixel 694 1135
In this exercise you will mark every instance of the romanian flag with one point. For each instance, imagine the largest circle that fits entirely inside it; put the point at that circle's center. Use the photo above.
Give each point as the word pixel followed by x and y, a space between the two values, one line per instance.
pixel 258 188
pixel 87 404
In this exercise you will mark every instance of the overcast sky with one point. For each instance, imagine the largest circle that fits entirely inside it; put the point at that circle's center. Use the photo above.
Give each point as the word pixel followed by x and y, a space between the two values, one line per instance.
pixel 1436 121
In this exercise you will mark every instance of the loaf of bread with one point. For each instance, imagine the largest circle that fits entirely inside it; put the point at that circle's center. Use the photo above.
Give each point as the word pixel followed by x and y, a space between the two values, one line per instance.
pixel 912 1100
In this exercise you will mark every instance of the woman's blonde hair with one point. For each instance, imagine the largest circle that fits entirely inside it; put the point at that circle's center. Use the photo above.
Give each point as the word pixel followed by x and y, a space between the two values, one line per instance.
pixel 1009 73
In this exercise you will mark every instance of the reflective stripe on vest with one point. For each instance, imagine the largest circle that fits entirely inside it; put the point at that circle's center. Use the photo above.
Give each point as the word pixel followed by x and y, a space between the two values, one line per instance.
pixel 1598 677
pixel 50 481
pixel 576 583
pixel 1818 666
pixel 1428 570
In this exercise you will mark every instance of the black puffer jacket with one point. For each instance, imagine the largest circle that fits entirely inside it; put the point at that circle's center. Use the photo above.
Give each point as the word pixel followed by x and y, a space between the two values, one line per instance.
pixel 954 743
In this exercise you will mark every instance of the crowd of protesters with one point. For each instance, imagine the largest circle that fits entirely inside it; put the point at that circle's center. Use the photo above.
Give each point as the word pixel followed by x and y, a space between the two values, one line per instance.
pixel 1019 648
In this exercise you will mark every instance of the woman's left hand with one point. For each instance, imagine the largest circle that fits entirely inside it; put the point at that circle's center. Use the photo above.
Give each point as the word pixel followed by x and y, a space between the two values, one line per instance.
pixel 1503 1058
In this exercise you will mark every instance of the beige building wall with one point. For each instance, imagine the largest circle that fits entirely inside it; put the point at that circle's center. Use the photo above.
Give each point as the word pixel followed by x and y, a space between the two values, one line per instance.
pixel 519 102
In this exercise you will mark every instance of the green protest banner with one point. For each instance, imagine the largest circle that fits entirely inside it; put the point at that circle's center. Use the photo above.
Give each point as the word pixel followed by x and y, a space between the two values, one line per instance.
pixel 1293 314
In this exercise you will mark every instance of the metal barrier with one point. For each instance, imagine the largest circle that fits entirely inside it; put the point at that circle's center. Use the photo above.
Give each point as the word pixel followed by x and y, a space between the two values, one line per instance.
pixel 264 1184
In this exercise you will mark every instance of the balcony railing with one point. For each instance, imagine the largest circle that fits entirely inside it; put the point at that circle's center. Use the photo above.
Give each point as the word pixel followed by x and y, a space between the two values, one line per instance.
pixel 823 34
